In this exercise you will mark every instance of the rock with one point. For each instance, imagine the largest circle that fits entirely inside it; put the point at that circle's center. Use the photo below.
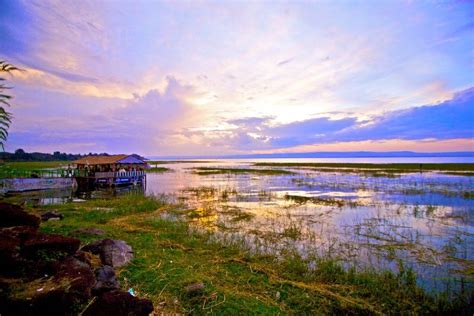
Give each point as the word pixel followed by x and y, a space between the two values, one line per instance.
pixel 94 247
pixel 51 215
pixel 106 280
pixel 90 259
pixel 11 240
pixel 78 275
pixel 49 246
pixel 14 215
pixel 88 231
pixel 194 289
pixel 119 303
pixel 57 295
pixel 20 233
pixel 115 253
pixel 9 254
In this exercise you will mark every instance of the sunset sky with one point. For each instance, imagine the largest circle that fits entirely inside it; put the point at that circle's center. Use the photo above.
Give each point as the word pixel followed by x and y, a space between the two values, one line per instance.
pixel 225 77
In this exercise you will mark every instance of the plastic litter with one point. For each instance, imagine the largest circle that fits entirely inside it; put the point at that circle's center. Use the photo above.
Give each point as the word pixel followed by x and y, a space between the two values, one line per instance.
pixel 132 292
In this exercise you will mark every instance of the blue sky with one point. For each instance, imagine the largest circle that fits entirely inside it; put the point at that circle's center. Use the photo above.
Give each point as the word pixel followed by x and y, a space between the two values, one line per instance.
pixel 217 77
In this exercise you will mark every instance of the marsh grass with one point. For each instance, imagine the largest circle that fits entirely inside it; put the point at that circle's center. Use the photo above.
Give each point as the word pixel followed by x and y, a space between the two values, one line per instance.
pixel 158 170
pixel 389 167
pixel 169 255
pixel 315 200
pixel 204 171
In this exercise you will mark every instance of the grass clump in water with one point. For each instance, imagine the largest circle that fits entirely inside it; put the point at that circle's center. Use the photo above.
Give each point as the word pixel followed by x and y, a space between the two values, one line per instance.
pixel 158 170
pixel 212 171
pixel 388 167
pixel 316 200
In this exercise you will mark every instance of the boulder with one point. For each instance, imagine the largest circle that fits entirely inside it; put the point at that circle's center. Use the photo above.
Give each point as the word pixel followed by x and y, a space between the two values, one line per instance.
pixel 90 259
pixel 20 233
pixel 11 240
pixel 119 303
pixel 49 246
pixel 9 255
pixel 14 215
pixel 60 294
pixel 78 276
pixel 51 215
pixel 114 253
pixel 106 280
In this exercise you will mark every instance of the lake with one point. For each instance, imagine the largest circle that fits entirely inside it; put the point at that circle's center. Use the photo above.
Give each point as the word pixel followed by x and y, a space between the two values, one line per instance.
pixel 364 218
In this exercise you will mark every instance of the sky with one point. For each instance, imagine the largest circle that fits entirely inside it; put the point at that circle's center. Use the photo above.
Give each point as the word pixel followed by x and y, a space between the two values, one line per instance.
pixel 229 77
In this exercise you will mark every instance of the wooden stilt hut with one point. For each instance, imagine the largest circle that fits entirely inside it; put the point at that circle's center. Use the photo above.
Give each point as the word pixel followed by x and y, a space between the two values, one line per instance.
pixel 110 170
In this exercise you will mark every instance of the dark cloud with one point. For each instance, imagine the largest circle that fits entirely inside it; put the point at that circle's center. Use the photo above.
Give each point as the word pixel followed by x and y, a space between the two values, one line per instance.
pixel 447 120
pixel 450 119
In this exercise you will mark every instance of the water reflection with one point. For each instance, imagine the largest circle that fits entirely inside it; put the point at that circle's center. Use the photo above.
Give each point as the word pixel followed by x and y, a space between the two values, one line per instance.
pixel 50 197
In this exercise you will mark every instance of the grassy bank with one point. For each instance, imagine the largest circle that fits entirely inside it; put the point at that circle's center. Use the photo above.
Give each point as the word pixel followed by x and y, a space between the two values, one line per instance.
pixel 28 168
pixel 34 165
pixel 169 255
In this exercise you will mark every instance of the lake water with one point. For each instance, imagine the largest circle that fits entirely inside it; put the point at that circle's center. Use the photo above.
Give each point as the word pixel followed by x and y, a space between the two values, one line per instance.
pixel 425 219
pixel 363 219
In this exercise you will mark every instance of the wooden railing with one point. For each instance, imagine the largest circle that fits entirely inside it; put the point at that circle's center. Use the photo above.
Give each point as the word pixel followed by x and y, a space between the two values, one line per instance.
pixel 126 174
pixel 63 173
pixel 55 173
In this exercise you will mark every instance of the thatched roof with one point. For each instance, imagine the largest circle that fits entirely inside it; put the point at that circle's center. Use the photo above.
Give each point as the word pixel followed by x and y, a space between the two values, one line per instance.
pixel 106 160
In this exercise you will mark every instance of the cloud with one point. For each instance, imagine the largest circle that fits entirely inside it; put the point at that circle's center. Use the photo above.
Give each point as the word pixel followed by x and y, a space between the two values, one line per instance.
pixel 448 120
pixel 145 124
pixel 105 73
pixel 451 119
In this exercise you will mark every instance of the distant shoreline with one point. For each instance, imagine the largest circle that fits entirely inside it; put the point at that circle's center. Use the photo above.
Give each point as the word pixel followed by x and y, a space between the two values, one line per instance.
pixel 359 154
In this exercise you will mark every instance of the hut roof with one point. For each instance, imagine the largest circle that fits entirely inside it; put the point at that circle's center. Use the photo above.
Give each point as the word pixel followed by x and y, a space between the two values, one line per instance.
pixel 112 159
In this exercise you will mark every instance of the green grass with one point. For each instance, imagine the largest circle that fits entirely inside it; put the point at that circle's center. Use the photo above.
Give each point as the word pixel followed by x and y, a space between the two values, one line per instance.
pixel 26 169
pixel 170 255
pixel 395 167
pixel 204 171
pixel 34 165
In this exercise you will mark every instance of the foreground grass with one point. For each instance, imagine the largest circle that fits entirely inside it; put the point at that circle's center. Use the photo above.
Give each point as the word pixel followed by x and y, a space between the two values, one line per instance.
pixel 170 255
pixel 395 167
pixel 211 170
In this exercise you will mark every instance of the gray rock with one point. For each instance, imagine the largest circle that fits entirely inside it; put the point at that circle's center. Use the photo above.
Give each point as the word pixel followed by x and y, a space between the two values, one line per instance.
pixel 114 253
pixel 106 280
pixel 194 289
pixel 51 215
